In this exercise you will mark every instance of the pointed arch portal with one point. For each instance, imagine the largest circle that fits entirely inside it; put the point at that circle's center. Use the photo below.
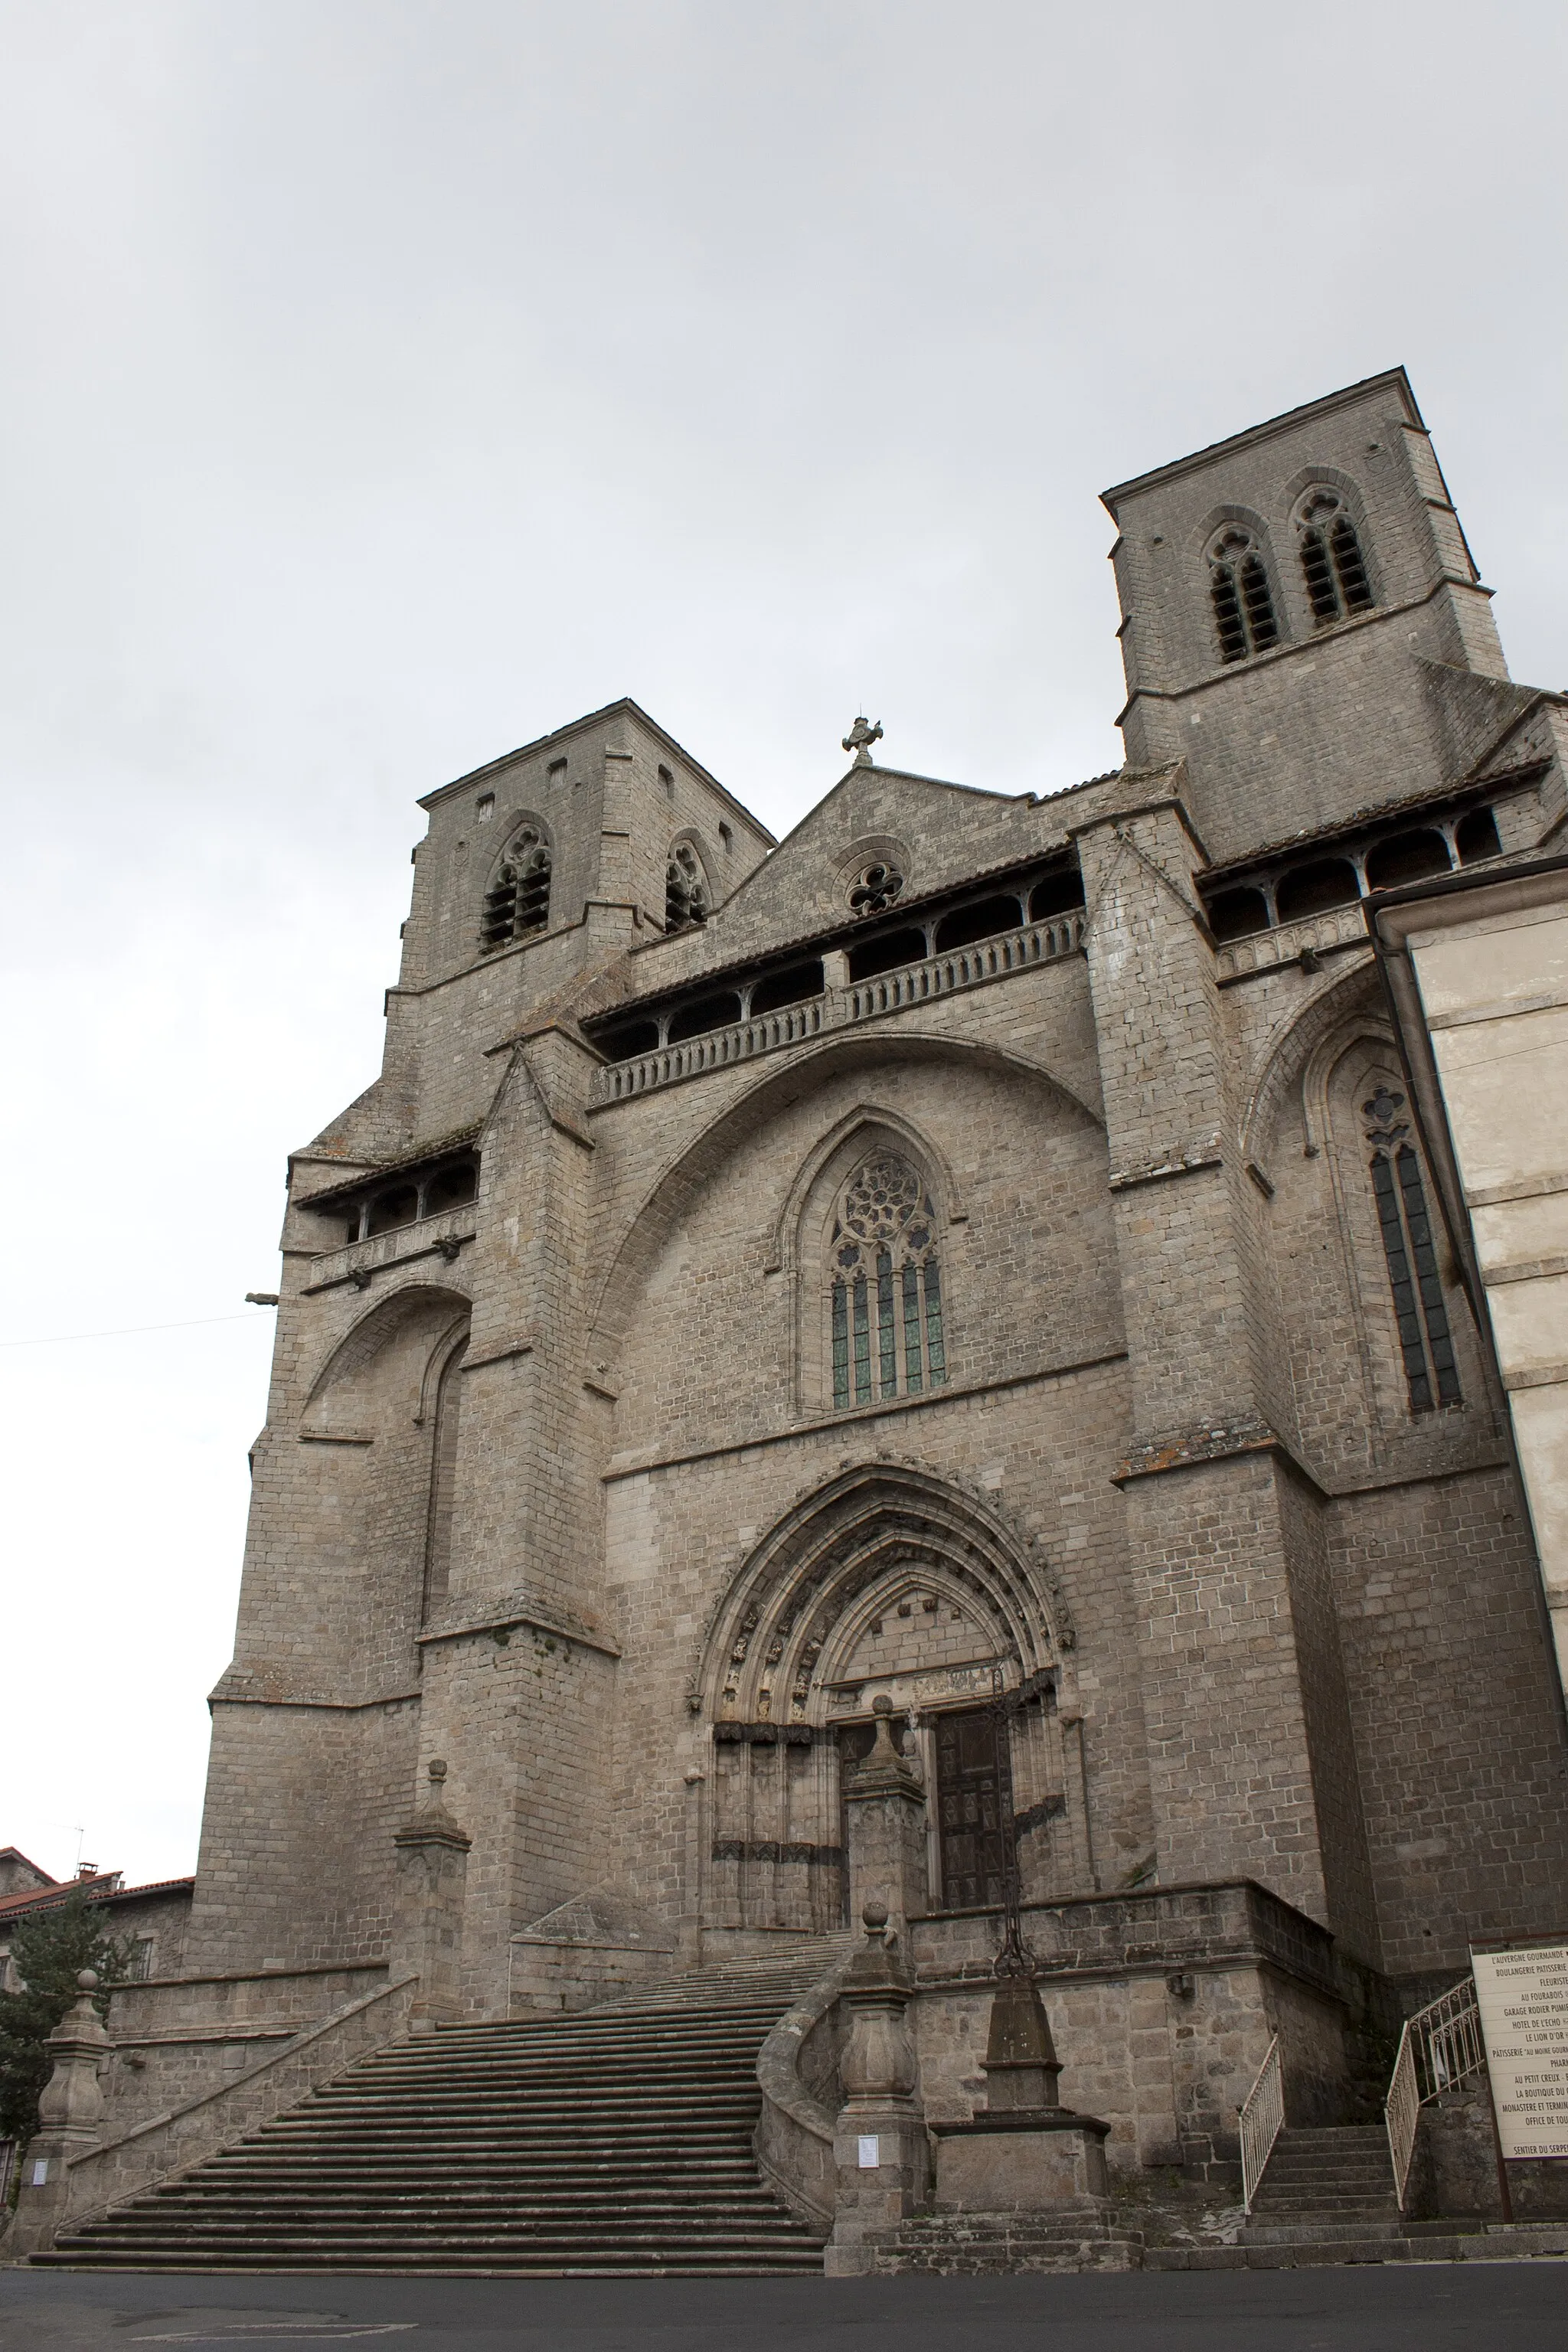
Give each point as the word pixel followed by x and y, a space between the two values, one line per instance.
pixel 885 1580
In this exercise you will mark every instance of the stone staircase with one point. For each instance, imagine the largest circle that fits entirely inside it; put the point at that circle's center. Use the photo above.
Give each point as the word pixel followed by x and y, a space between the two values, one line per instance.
pixel 1327 2196
pixel 1329 2189
pixel 614 2141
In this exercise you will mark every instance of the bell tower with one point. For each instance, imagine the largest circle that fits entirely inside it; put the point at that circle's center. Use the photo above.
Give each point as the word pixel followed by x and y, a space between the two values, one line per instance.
pixel 607 817
pixel 1300 609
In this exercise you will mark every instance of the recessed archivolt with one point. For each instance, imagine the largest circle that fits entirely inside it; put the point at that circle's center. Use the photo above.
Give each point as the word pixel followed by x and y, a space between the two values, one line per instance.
pixel 1360 1027
pixel 1293 1050
pixel 453 1336
pixel 386 1321
pixel 673 1193
pixel 793 1613
pixel 906 1577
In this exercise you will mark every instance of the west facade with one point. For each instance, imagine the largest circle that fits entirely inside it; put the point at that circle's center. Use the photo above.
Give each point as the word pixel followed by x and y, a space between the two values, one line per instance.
pixel 979 1243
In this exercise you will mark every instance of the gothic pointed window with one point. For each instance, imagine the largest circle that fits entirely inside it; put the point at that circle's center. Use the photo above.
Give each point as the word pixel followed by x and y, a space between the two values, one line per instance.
pixel 518 901
pixel 885 1291
pixel 1409 1249
pixel 1243 600
pixel 1333 564
pixel 685 890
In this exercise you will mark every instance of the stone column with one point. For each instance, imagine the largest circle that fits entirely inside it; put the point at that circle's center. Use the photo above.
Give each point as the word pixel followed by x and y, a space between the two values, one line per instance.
pixel 70 2122
pixel 884 1808
pixel 879 2144
pixel 427 1935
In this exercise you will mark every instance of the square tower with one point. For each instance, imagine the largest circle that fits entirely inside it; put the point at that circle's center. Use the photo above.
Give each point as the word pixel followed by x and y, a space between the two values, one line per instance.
pixel 1295 601
pixel 608 813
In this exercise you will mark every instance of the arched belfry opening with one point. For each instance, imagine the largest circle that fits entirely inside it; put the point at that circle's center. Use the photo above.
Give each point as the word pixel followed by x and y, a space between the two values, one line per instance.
pixel 889 1582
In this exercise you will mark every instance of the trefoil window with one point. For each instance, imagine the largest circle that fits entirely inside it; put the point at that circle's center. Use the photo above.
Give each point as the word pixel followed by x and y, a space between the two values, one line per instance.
pixel 518 901
pixel 885 1287
pixel 1243 600
pixel 1425 1342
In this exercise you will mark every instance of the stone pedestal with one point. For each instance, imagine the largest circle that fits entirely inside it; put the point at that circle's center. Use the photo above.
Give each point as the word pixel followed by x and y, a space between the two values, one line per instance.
pixel 1023 2152
pixel 70 2122
pixel 881 2154
pixel 1021 2163
pixel 432 1877
pixel 885 1810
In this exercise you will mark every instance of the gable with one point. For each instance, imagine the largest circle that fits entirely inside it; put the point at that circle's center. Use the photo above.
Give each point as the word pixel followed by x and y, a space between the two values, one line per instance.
pixel 938 835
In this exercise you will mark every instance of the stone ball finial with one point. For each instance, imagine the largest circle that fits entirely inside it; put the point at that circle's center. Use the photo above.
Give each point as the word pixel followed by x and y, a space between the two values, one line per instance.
pixel 438 1771
pixel 875 1917
pixel 87 1979
pixel 881 1704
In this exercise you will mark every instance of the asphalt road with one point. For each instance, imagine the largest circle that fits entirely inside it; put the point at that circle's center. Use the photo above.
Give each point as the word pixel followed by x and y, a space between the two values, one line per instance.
pixel 1407 2307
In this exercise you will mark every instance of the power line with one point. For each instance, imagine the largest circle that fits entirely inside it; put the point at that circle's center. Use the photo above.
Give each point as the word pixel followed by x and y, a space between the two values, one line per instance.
pixel 128 1331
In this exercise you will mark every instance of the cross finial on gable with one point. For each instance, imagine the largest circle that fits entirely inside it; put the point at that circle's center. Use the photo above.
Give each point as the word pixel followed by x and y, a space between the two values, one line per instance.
pixel 860 738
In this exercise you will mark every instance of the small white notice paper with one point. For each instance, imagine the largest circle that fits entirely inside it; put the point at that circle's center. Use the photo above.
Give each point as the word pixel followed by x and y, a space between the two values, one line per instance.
pixel 870 2151
pixel 1523 2000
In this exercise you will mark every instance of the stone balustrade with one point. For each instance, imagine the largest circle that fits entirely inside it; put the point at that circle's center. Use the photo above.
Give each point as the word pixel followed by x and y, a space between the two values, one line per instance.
pixel 171 2143
pixel 1340 926
pixel 439 1236
pixel 841 1008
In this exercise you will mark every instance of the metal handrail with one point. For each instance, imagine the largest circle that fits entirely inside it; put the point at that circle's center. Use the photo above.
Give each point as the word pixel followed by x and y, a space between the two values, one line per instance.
pixel 1402 2110
pixel 1451 2049
pixel 1261 2119
pixel 1439 2048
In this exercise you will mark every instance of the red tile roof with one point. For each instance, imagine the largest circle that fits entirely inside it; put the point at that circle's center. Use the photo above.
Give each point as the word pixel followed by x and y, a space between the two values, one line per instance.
pixel 104 1888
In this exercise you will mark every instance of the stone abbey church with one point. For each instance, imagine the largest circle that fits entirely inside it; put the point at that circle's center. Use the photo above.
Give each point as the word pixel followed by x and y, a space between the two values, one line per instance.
pixel 977 1245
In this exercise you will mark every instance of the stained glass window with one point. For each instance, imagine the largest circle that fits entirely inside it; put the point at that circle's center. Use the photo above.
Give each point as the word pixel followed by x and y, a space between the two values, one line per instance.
pixel 885 1272
pixel 1409 1249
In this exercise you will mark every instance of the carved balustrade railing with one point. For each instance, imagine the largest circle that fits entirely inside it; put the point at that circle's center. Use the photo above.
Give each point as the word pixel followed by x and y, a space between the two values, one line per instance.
pixel 1046 941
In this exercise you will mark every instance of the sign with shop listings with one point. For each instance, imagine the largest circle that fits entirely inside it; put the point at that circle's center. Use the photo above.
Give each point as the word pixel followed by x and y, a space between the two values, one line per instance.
pixel 1523 2000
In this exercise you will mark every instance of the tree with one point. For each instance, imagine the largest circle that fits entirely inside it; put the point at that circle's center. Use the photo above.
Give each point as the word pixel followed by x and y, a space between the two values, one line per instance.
pixel 47 1948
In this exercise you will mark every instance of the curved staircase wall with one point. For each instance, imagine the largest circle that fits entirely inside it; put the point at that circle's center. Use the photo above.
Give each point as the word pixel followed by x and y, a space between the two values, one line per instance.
pixel 798 2074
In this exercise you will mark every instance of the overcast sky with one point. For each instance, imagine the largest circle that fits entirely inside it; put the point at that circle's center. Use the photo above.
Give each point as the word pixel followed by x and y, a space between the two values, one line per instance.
pixel 387 382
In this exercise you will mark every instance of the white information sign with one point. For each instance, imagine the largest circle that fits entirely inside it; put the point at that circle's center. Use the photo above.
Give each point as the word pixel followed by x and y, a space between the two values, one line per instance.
pixel 871 2152
pixel 1523 2000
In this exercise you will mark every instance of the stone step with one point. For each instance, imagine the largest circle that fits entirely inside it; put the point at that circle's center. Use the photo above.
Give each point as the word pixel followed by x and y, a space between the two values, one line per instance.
pixel 547 2259
pixel 411 2221
pixel 1332 2184
pixel 731 2102
pixel 455 2144
pixel 619 2146
pixel 512 2165
pixel 492 2240
pixel 1322 2225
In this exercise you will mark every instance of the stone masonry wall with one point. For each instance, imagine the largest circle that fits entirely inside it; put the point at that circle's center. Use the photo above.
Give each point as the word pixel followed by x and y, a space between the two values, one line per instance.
pixel 1278 1627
